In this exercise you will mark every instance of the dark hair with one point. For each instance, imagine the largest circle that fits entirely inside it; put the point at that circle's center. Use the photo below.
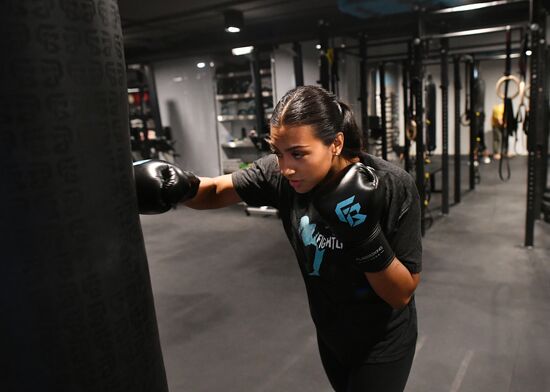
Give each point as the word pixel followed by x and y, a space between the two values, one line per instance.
pixel 315 106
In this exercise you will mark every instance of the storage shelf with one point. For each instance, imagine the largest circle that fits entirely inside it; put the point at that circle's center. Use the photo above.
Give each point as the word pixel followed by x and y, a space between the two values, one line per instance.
pixel 236 117
pixel 241 74
pixel 240 117
pixel 234 97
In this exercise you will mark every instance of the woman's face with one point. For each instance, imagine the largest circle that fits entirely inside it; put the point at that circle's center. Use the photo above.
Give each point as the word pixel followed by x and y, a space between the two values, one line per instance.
pixel 303 158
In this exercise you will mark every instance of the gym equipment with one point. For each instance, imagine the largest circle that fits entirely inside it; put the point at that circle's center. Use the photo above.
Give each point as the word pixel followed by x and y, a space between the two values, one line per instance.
pixel 417 93
pixel 522 114
pixel 431 112
pixel 537 142
pixel 457 88
pixel 410 126
pixel 298 63
pixel 509 119
pixel 76 301
pixel 445 126
pixel 363 93
pixel 383 121
pixel 472 70
pixel 376 130
pixel 324 71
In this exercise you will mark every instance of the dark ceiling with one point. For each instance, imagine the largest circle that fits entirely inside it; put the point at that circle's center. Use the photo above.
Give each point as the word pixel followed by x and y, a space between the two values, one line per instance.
pixel 162 29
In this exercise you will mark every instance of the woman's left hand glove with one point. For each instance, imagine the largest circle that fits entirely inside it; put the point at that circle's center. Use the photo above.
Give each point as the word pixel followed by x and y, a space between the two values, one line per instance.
pixel 351 203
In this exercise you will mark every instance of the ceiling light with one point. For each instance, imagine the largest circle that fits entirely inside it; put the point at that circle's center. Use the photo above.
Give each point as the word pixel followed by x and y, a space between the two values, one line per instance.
pixel 318 46
pixel 475 6
pixel 242 50
pixel 528 52
pixel 201 65
pixel 233 21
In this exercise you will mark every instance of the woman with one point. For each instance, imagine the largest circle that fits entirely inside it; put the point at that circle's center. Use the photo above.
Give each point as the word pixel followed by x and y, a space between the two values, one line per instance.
pixel 352 219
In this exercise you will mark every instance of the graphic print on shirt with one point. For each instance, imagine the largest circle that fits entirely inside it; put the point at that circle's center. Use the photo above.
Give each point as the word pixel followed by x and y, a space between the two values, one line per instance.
pixel 318 241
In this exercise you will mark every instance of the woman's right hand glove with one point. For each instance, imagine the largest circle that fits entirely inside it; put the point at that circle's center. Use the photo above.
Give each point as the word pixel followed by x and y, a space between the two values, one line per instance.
pixel 161 185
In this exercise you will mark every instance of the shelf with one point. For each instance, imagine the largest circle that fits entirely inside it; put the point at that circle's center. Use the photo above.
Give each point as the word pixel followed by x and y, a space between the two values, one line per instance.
pixel 236 144
pixel 227 97
pixel 241 117
pixel 241 74
pixel 137 90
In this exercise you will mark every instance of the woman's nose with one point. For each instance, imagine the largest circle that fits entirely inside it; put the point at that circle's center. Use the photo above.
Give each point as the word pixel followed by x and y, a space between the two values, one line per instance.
pixel 286 170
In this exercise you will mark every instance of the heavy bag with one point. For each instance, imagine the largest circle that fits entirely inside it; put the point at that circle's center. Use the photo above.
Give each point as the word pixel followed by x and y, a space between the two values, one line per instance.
pixel 76 305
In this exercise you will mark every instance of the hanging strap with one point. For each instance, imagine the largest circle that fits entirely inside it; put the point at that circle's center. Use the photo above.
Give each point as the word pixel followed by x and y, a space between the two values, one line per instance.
pixel 522 112
pixel 508 113
pixel 465 117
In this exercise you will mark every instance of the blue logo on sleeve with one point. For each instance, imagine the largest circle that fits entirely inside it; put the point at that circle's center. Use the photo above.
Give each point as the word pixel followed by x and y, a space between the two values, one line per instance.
pixel 349 213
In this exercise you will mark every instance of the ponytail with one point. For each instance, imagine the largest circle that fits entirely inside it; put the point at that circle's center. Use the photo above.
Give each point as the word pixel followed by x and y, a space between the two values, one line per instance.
pixel 320 109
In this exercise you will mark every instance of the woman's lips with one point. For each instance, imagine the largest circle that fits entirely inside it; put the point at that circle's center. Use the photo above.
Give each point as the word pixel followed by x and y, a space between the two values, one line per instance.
pixel 295 183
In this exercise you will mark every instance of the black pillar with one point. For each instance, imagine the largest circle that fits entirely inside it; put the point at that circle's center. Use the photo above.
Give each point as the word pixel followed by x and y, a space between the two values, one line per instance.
pixel 298 64
pixel 383 127
pixel 473 130
pixel 445 126
pixel 457 88
pixel 153 97
pixel 258 101
pixel 417 90
pixel 324 72
pixel 537 120
pixel 363 92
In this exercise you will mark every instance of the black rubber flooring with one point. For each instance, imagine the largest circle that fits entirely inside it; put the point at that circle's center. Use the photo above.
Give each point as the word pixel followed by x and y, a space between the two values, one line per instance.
pixel 233 314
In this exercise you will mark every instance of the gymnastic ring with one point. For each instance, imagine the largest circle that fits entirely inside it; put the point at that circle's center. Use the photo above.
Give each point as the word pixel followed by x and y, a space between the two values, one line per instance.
pixel 502 80
pixel 464 120
pixel 410 131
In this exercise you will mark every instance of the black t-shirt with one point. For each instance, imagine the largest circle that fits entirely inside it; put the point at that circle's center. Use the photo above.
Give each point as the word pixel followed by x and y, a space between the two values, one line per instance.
pixel 351 319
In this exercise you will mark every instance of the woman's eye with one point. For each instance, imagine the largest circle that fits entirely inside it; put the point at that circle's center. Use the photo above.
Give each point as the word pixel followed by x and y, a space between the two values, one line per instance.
pixel 297 155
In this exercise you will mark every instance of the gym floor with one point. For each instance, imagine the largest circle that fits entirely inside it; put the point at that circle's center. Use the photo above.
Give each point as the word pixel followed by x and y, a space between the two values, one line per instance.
pixel 233 313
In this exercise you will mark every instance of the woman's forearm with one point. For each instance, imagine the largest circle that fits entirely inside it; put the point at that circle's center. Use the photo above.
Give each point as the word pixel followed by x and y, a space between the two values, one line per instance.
pixel 395 284
pixel 216 192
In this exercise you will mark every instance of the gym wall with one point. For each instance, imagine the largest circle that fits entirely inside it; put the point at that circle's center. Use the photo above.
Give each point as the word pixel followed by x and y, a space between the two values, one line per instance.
pixel 186 101
pixel 283 75
pixel 186 95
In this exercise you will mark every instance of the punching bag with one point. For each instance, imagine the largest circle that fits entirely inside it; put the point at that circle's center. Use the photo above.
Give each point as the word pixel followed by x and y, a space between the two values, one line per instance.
pixel 76 305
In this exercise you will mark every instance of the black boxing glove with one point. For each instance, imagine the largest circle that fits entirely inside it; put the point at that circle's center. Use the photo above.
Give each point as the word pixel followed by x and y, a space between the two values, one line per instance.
pixel 351 203
pixel 161 185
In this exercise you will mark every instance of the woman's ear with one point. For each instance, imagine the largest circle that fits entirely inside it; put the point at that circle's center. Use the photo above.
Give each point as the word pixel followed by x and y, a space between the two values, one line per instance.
pixel 338 144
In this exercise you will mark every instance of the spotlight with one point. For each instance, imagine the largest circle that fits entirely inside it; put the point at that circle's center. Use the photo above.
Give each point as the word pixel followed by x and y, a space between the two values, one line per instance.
pixel 318 46
pixel 242 50
pixel 528 52
pixel 201 65
pixel 233 21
